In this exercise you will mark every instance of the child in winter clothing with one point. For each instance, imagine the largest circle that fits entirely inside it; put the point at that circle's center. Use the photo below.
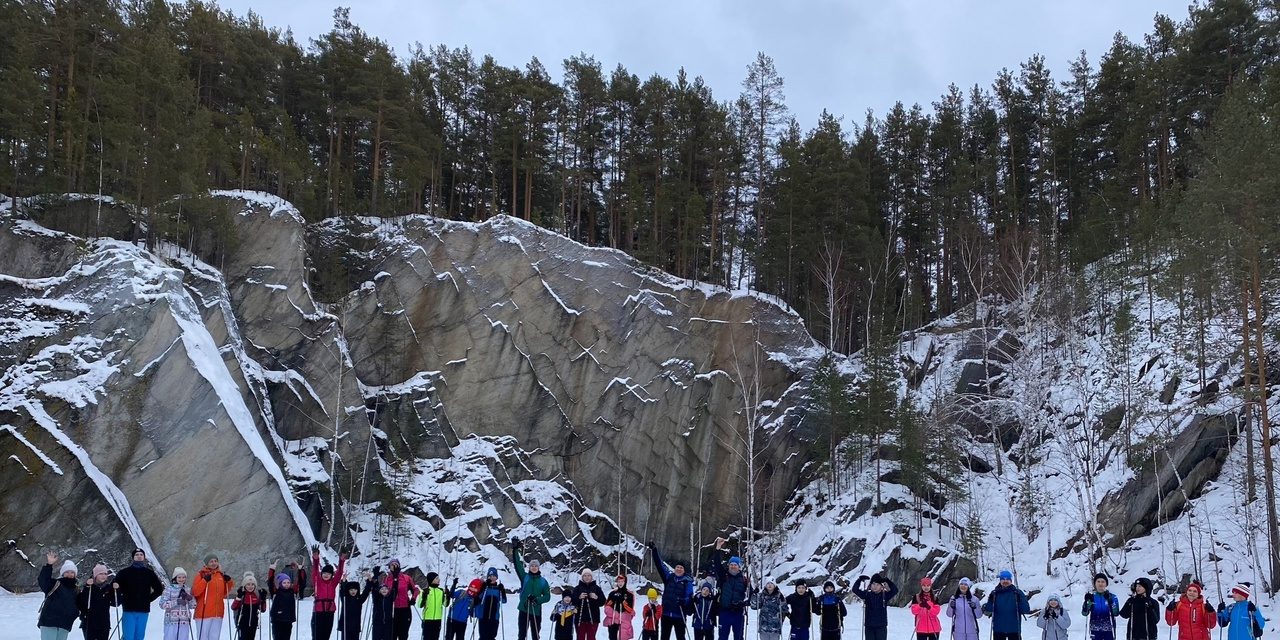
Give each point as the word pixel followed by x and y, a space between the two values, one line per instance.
pixel 706 609
pixel 651 614
pixel 1142 612
pixel 463 607
pixel 432 601
pixel 178 603
pixel 58 611
pixel 94 603
pixel 326 582
pixel 1006 605
pixel 489 605
pixel 565 615
pixel 350 613
pixel 801 606
pixel 876 597
pixel 619 610
pixel 831 612
pixel 1100 608
pixel 926 610
pixel 1191 614
pixel 1241 616
pixel 382 617
pixel 248 607
pixel 964 609
pixel 772 607
pixel 284 603
pixel 1054 619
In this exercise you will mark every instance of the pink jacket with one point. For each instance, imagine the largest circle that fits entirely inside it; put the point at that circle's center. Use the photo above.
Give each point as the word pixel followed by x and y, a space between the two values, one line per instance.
pixel 927 616
pixel 326 590
pixel 621 617
pixel 404 588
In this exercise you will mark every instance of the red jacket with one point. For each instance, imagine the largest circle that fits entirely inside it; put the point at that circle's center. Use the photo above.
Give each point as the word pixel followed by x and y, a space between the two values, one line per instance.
pixel 404 588
pixel 652 614
pixel 1192 619
pixel 326 590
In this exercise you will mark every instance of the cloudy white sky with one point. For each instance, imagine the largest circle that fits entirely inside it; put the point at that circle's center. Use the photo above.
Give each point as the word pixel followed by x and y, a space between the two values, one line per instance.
pixel 845 56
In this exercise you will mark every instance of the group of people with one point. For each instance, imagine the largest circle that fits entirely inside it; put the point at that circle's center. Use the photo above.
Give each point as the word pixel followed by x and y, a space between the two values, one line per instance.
pixel 713 605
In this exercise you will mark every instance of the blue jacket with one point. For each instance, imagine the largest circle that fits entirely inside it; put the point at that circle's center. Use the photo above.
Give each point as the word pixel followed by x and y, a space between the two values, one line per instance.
pixel 1236 619
pixel 490 601
pixel 461 609
pixel 677 591
pixel 735 588
pixel 1006 606
pixel 877 614
pixel 705 612
pixel 1097 605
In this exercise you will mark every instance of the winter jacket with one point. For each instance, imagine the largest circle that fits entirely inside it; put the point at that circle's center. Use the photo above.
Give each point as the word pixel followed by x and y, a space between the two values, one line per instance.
pixel 706 610
pixel 534 590
pixel 832 612
pixel 565 618
pixel 463 606
pixel 619 611
pixel 94 602
pixel 772 608
pixel 735 588
pixel 403 590
pixel 1239 619
pixel 489 602
pixel 139 587
pixel 926 612
pixel 964 610
pixel 1194 619
pixel 352 607
pixel 59 607
pixel 177 602
pixel 284 605
pixel 677 591
pixel 651 614
pixel 588 609
pixel 1055 623
pixel 211 588
pixel 383 609
pixel 877 614
pixel 327 590
pixel 1143 614
pixel 1101 608
pixel 800 609
pixel 431 600
pixel 1006 606
pixel 248 607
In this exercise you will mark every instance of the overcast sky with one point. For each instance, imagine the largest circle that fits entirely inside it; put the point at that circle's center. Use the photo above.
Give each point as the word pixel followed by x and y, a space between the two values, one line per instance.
pixel 845 56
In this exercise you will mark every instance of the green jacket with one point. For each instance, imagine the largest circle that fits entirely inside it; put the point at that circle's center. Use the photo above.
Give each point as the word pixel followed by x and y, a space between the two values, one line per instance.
pixel 534 590
pixel 431 600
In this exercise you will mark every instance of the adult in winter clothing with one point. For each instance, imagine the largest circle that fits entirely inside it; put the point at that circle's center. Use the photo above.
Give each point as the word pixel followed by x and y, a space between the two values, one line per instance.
pixel 677 595
pixel 1005 606
pixel 351 606
pixel 178 603
pixel 706 610
pixel 832 612
pixel 1142 612
pixel 925 608
pixel 402 592
pixel 564 616
pixel 876 596
pixel 138 586
pixel 534 592
pixel 1191 614
pixel 1053 619
pixel 284 603
pixel 619 610
pixel 211 588
pixel 772 607
pixel 588 597
pixel 326 582
pixel 432 602
pixel 1100 609
pixel 735 591
pixel 651 614
pixel 249 605
pixel 94 601
pixel 801 606
pixel 489 606
pixel 58 612
pixel 1241 616
pixel 964 609
pixel 463 607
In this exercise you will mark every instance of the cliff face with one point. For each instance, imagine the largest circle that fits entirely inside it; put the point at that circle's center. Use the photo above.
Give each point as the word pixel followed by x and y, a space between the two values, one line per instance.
pixel 398 384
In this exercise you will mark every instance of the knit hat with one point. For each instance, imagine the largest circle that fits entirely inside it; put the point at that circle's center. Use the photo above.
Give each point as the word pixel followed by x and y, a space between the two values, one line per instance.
pixel 1146 583
pixel 534 565
pixel 210 558
pixel 828 585
pixel 138 550
pixel 621 576
pixel 492 572
pixel 735 560
pixel 178 571
pixel 69 566
pixel 1006 575
pixel 1241 590
pixel 395 561
pixel 1054 597
pixel 1195 584
pixel 706 584
pixel 1102 576
pixel 653 593
pixel 431 577
pixel 965 582
pixel 249 578
pixel 100 570
pixel 926 583
pixel 327 568
pixel 877 579
pixel 281 579
pixel 475 586
pixel 770 581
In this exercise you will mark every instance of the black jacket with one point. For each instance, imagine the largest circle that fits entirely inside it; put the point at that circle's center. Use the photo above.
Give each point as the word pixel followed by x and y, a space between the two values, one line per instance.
pixel 350 607
pixel 735 588
pixel 1143 614
pixel 139 587
pixel 59 607
pixel 831 608
pixel 802 608
pixel 588 610
pixel 284 606
pixel 94 602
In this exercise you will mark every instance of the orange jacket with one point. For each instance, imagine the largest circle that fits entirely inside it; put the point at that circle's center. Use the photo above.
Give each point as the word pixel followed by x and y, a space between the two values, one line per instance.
pixel 211 589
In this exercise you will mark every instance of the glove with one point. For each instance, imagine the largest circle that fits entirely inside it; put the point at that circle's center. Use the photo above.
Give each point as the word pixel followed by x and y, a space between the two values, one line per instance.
pixel 862 579
pixel 978 593
pixel 207 576
pixel 1208 608
pixel 516 545
pixel 1173 606
pixel 1221 605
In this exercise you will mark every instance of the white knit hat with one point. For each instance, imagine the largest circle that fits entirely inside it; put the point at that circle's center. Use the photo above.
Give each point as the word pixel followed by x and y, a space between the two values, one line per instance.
pixel 69 566
pixel 179 571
